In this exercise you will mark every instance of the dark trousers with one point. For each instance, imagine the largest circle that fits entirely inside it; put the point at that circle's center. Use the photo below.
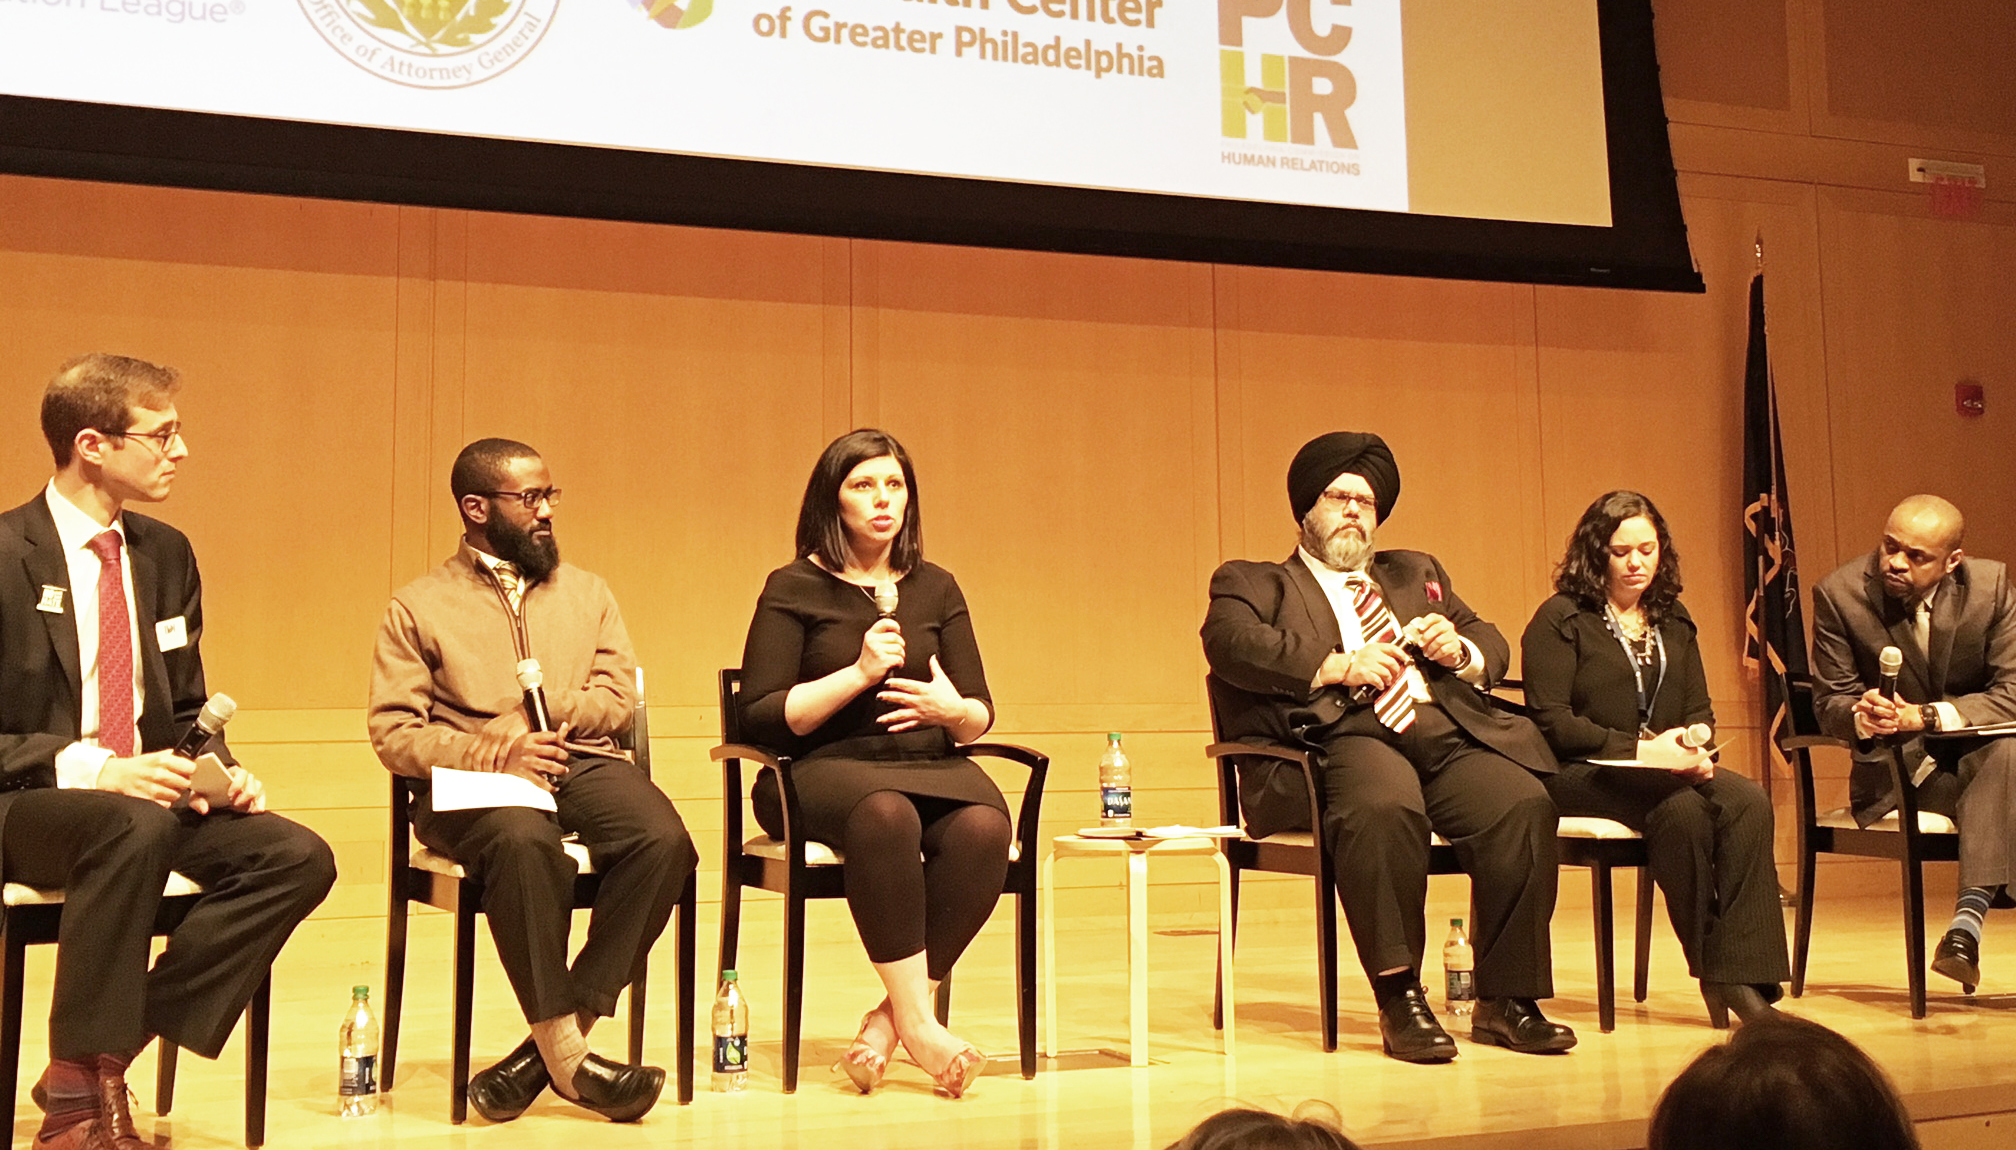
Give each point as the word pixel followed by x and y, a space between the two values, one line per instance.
pixel 638 845
pixel 1709 847
pixel 1975 786
pixel 1383 796
pixel 111 854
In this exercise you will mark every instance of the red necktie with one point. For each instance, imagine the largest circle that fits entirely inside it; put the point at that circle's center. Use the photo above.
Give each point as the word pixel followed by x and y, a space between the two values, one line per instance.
pixel 115 649
pixel 1394 706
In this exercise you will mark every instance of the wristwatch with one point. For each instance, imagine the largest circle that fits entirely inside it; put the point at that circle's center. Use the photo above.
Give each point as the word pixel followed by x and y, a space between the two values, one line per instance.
pixel 1929 715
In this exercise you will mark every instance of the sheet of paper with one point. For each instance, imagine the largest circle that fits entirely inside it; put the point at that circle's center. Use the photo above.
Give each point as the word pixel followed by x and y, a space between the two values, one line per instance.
pixel 468 790
pixel 210 780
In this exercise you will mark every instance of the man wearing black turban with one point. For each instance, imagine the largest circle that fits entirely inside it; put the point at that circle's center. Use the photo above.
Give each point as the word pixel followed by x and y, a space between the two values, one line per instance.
pixel 1370 660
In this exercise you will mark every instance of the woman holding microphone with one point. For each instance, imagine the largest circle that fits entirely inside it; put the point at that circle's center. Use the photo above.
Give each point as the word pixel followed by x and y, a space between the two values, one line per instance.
pixel 1613 675
pixel 861 664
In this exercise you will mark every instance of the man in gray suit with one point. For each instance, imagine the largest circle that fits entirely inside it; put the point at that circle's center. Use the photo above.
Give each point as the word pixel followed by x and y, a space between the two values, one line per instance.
pixel 1954 620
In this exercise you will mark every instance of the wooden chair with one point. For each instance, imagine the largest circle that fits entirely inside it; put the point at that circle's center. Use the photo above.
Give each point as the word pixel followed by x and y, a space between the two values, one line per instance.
pixel 31 915
pixel 420 875
pixel 1907 835
pixel 1599 844
pixel 800 869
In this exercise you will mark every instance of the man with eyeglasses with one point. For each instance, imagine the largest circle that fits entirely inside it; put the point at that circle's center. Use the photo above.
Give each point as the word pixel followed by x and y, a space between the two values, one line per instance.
pixel 1952 619
pixel 1369 659
pixel 101 672
pixel 445 694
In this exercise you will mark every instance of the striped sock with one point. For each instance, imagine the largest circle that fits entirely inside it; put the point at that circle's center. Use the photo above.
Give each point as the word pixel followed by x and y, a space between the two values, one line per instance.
pixel 1970 909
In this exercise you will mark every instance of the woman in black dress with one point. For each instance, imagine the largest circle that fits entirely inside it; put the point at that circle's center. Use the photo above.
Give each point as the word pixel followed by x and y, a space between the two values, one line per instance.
pixel 1613 672
pixel 872 700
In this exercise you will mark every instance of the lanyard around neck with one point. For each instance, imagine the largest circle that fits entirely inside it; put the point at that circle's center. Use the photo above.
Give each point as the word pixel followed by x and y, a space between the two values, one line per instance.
pixel 1645 697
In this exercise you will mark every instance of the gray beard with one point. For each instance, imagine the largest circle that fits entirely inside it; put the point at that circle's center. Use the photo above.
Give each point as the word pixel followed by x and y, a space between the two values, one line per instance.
pixel 1341 551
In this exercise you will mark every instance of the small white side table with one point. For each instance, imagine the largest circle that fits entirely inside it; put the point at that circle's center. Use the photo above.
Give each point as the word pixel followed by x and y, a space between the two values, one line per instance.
pixel 1137 851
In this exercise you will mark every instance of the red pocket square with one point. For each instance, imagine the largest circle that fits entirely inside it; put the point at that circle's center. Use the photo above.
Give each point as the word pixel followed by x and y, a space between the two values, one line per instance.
pixel 1434 591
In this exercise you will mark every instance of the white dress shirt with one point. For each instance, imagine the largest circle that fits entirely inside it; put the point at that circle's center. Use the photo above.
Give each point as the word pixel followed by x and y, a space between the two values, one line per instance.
pixel 78 765
pixel 1336 587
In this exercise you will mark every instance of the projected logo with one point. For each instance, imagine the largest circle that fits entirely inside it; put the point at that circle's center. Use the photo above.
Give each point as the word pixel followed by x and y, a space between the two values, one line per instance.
pixel 1300 93
pixel 433 43
pixel 668 14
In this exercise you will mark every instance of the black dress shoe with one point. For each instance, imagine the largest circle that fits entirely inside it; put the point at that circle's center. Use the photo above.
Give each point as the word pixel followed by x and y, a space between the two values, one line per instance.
pixel 502 1092
pixel 1408 1030
pixel 1748 1002
pixel 1959 958
pixel 1517 1024
pixel 616 1090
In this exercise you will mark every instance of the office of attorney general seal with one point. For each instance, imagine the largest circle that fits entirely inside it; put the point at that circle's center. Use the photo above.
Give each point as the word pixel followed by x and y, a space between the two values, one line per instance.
pixel 432 43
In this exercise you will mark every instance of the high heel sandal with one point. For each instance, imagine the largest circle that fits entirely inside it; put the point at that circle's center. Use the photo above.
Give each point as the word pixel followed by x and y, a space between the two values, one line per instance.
pixel 863 1064
pixel 958 1073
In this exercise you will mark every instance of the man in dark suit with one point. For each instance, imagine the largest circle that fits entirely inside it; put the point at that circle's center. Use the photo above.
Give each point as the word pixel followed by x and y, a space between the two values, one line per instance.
pixel 1370 659
pixel 1954 621
pixel 101 621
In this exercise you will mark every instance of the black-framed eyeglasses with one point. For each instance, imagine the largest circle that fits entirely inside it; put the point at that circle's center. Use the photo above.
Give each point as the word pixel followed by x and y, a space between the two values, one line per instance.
pixel 531 497
pixel 164 440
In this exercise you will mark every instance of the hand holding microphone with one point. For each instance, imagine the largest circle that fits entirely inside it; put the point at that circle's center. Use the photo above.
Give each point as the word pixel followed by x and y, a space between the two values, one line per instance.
pixel 882 650
pixel 1876 711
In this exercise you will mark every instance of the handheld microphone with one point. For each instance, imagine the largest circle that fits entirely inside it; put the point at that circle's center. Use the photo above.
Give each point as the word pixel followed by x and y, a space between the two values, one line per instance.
pixel 210 720
pixel 1888 664
pixel 885 600
pixel 1697 736
pixel 532 681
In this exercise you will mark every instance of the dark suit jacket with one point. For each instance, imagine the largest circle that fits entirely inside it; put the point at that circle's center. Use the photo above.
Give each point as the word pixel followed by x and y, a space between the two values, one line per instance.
pixel 1269 628
pixel 1582 693
pixel 1971 662
pixel 41 700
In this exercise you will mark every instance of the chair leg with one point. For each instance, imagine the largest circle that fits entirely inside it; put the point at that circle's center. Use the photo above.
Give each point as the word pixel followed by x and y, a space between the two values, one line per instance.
pixel 1802 919
pixel 1025 978
pixel 686 941
pixel 10 1017
pixel 1606 969
pixel 395 978
pixel 164 1075
pixel 794 983
pixel 635 1026
pixel 1218 994
pixel 464 1008
pixel 258 1026
pixel 1914 932
pixel 1326 961
pixel 1641 972
pixel 731 915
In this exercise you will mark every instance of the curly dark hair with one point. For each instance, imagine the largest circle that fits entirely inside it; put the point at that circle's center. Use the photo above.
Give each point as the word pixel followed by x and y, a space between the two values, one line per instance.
pixel 1584 571
pixel 819 530
pixel 1782 1082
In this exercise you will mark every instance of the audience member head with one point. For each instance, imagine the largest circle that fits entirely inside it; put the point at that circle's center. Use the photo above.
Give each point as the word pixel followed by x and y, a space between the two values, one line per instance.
pixel 111 423
pixel 493 479
pixel 865 458
pixel 1921 546
pixel 1341 486
pixel 1620 537
pixel 1785 1083
pixel 1313 1126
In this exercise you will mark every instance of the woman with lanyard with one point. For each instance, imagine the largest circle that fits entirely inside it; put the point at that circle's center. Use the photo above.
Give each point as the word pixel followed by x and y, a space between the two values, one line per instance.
pixel 1614 679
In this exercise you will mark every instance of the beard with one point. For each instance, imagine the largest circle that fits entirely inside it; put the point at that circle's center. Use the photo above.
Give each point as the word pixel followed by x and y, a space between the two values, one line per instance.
pixel 535 556
pixel 1343 549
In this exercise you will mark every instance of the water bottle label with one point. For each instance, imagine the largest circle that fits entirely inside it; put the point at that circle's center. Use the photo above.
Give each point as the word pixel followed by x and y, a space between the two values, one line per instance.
pixel 1116 802
pixel 360 1076
pixel 1460 987
pixel 731 1053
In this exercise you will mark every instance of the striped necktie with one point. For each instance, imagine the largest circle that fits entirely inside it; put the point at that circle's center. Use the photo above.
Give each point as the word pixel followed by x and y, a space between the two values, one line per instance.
pixel 115 648
pixel 1395 705
pixel 513 584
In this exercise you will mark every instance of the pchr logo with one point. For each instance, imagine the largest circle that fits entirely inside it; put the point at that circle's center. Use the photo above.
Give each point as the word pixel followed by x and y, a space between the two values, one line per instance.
pixel 1291 91
pixel 671 14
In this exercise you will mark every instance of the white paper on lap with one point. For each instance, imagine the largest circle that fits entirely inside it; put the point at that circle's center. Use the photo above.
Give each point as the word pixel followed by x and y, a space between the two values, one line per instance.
pixel 469 790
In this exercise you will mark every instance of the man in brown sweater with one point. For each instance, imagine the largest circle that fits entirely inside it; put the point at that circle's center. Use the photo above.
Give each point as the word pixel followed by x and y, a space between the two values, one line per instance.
pixel 445 694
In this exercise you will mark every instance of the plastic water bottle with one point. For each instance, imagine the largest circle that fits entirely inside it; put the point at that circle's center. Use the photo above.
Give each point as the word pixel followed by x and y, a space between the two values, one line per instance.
pixel 731 1037
pixel 1116 785
pixel 357 1080
pixel 1459 966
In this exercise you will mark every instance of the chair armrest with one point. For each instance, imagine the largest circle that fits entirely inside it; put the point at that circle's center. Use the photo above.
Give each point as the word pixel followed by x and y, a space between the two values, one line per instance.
pixel 1809 742
pixel 1032 759
pixel 727 751
pixel 1303 761
pixel 1029 818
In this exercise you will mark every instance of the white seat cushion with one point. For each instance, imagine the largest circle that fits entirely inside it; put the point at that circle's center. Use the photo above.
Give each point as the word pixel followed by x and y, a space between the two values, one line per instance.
pixel 819 854
pixel 1928 823
pixel 427 860
pixel 16 894
pixel 1585 827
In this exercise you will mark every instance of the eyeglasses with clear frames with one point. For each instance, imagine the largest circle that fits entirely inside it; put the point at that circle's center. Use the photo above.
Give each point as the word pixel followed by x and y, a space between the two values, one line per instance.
pixel 531 498
pixel 164 440
pixel 1343 499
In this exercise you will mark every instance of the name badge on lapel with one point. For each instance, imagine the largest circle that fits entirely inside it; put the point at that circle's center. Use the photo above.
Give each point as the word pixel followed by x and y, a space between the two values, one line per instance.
pixel 52 600
pixel 172 634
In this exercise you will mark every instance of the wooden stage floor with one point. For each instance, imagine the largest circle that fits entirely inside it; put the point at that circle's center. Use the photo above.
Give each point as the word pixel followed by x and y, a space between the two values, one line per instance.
pixel 1957 1068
